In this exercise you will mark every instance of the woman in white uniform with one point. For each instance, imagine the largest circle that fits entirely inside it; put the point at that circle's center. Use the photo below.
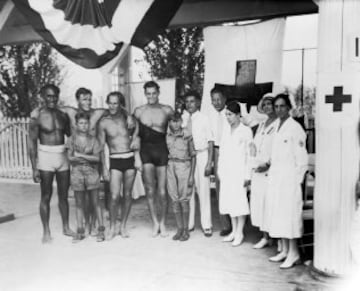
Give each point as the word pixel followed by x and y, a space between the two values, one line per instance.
pixel 234 172
pixel 288 165
pixel 260 153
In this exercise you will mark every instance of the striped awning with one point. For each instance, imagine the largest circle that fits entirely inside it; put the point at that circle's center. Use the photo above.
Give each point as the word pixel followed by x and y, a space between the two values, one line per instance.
pixel 93 32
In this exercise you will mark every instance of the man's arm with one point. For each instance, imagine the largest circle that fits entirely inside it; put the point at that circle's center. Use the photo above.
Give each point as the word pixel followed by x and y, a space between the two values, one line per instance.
pixel 101 136
pixel 32 142
pixel 210 157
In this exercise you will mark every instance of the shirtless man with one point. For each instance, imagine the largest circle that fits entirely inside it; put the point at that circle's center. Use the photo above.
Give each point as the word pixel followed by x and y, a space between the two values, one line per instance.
pixel 113 130
pixel 153 119
pixel 49 159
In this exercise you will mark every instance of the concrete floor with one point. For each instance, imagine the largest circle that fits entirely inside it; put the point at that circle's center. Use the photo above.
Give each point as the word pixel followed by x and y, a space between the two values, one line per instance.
pixel 137 263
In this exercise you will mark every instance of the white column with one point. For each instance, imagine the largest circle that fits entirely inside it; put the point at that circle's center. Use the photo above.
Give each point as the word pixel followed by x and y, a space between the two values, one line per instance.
pixel 337 141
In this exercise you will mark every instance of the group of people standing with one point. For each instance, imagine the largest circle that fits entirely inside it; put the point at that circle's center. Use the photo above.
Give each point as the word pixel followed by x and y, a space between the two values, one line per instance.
pixel 176 152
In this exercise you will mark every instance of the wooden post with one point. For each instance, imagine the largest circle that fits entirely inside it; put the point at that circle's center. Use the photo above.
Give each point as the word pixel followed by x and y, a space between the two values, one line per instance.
pixel 337 116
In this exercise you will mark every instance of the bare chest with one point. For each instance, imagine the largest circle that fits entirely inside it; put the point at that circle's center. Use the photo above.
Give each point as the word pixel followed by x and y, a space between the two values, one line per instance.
pixel 154 117
pixel 52 121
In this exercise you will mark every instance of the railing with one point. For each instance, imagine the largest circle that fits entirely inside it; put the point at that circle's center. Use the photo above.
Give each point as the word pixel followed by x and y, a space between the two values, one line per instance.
pixel 14 157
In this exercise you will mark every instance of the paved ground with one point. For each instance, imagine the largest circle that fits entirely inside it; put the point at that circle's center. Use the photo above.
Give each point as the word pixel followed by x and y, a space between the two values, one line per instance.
pixel 137 263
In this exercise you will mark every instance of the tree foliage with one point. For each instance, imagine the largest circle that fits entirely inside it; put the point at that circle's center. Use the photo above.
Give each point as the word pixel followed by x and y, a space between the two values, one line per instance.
pixel 178 53
pixel 24 69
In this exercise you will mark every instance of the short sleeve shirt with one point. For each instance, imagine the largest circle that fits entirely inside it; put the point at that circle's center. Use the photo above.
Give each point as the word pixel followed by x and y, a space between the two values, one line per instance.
pixel 180 145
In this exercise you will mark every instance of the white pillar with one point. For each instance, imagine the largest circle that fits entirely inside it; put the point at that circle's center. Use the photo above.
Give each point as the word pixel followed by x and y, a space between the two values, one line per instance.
pixel 337 146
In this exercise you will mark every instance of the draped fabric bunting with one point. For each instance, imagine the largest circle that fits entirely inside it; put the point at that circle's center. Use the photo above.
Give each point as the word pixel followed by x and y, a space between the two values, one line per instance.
pixel 92 32
pixel 260 45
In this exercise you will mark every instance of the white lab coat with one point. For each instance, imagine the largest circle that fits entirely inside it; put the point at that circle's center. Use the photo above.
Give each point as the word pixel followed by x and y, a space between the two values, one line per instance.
pixel 234 169
pixel 289 161
pixel 259 181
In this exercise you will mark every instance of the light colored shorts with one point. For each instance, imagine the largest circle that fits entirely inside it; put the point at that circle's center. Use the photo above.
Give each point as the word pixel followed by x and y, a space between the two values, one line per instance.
pixel 84 177
pixel 52 158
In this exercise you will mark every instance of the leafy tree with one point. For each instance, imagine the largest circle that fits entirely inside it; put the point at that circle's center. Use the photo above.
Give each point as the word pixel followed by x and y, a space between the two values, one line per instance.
pixel 24 69
pixel 178 53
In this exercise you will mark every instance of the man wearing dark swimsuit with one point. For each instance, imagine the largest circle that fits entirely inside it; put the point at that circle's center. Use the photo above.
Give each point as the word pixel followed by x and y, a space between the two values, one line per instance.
pixel 114 131
pixel 153 119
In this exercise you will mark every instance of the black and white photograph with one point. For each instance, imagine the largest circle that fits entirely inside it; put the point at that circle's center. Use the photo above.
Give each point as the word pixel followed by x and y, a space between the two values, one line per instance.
pixel 183 145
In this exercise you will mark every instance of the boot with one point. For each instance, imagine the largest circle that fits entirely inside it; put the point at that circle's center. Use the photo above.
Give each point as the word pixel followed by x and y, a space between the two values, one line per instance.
pixel 185 215
pixel 179 221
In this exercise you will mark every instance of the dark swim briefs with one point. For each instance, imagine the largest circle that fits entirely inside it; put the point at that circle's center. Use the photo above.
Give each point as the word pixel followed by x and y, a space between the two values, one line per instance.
pixel 153 149
pixel 122 164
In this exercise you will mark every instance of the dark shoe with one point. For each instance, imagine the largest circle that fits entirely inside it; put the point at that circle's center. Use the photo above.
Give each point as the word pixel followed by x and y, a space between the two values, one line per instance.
pixel 185 235
pixel 178 234
pixel 79 236
pixel 225 232
pixel 208 232
pixel 191 229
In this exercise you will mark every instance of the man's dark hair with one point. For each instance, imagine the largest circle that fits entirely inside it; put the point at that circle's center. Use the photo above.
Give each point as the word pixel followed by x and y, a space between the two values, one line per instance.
pixel 82 91
pixel 284 97
pixel 81 115
pixel 194 94
pixel 217 90
pixel 151 84
pixel 176 116
pixel 50 86
pixel 119 95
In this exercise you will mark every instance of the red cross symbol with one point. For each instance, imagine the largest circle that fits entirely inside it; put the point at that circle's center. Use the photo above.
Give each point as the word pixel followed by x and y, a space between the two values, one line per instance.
pixel 338 98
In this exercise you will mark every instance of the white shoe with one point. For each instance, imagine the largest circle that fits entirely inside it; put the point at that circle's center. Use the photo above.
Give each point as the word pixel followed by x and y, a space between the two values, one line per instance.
pixel 237 241
pixel 278 258
pixel 290 262
pixel 229 238
pixel 261 243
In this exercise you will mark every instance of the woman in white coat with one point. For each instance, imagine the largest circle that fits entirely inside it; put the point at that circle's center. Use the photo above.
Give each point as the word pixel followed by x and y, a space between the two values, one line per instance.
pixel 234 172
pixel 260 153
pixel 288 165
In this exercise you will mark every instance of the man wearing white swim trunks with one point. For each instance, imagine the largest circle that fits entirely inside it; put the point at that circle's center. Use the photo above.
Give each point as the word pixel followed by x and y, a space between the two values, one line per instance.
pixel 49 159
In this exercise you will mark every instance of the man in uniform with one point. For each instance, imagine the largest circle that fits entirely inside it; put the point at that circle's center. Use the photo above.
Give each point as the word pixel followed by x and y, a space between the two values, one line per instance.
pixel 114 132
pixel 153 120
pixel 49 159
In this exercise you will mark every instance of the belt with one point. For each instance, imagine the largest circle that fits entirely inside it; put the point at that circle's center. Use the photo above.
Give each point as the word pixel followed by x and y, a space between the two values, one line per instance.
pixel 125 155
pixel 179 160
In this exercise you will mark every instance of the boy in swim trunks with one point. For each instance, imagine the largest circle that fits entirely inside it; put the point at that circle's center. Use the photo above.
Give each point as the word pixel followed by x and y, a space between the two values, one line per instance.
pixel 84 155
pixel 180 173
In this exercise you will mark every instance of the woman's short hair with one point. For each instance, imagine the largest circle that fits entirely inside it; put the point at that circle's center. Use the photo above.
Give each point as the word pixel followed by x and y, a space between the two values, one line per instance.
pixel 234 107
pixel 284 97
pixel 82 115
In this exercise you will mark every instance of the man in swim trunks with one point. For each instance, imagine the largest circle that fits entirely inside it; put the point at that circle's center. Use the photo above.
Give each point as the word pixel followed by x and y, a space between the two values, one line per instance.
pixel 153 119
pixel 49 158
pixel 113 131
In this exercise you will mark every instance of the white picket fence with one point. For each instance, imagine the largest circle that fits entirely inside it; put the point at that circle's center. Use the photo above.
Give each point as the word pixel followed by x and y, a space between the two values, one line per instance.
pixel 14 156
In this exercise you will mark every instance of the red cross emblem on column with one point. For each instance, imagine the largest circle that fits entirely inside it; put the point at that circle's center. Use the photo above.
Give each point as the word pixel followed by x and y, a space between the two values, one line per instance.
pixel 338 98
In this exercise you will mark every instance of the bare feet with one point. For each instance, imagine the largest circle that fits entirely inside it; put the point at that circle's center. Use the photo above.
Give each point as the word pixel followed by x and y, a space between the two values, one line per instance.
pixel 68 232
pixel 111 234
pixel 156 230
pixel 46 239
pixel 123 232
pixel 163 231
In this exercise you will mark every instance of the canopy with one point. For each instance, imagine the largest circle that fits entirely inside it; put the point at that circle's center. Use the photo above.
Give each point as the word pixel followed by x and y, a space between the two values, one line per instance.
pixel 92 32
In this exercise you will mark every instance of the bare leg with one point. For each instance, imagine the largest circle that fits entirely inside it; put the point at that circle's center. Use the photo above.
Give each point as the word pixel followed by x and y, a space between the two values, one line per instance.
pixel 284 251
pixel 115 186
pixel 239 234
pixel 87 212
pixel 80 205
pixel 149 183
pixel 94 194
pixel 63 182
pixel 293 256
pixel 161 190
pixel 231 236
pixel 46 193
pixel 129 178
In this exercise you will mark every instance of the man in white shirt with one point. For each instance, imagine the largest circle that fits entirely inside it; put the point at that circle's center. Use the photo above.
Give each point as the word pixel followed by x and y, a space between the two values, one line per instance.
pixel 217 121
pixel 199 125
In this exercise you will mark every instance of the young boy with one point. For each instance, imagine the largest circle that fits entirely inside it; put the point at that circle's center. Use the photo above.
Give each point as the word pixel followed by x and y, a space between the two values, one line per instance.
pixel 180 173
pixel 84 156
